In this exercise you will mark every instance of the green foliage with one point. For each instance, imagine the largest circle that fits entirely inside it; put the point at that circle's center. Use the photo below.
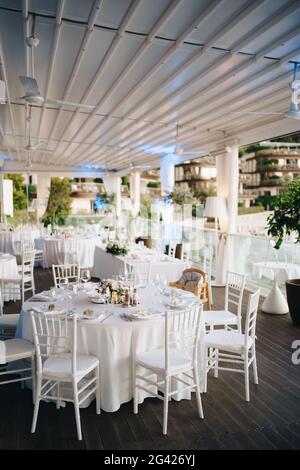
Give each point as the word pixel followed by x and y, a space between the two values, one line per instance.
pixel 202 194
pixel 250 210
pixel 152 184
pixel 286 217
pixel 125 181
pixel 19 191
pixel 267 201
pixel 182 196
pixel 59 203
pixel 145 207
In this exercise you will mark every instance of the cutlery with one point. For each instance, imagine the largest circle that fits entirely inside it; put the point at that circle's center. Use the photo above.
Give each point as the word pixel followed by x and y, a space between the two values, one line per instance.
pixel 105 318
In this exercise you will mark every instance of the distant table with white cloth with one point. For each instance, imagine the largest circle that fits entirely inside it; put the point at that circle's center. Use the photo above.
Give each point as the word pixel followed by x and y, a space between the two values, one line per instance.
pixel 278 272
pixel 112 340
pixel 9 237
pixel 8 270
pixel 55 249
pixel 107 265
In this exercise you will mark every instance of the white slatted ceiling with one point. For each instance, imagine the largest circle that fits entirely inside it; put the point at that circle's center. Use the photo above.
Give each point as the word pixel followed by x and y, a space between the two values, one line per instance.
pixel 202 94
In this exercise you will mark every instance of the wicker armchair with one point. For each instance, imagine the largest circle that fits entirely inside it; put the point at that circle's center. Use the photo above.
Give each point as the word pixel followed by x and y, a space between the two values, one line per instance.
pixel 194 280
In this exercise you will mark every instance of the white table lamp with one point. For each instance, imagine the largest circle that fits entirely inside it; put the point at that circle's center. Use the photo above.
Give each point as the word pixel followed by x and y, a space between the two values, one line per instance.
pixel 215 206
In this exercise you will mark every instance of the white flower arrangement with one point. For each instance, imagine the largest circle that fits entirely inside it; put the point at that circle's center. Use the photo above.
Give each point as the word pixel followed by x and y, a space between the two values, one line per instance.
pixel 117 247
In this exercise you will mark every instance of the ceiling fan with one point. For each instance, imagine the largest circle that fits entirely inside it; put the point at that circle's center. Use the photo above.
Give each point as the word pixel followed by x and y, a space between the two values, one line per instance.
pixel 29 83
pixel 293 112
pixel 30 146
pixel 33 95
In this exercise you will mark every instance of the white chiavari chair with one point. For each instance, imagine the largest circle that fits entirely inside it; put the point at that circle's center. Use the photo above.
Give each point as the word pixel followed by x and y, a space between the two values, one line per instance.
pixel 12 350
pixel 234 347
pixel 185 252
pixel 172 249
pixel 8 321
pixel 63 273
pixel 207 266
pixel 70 250
pixel 27 273
pixel 55 339
pixel 177 361
pixel 139 272
pixel 234 291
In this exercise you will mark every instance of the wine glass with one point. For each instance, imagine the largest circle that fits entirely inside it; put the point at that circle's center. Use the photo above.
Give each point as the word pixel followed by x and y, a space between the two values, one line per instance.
pixel 85 275
pixel 63 283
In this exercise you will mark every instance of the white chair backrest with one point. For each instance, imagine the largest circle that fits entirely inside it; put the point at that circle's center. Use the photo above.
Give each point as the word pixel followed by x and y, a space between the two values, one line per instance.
pixel 71 272
pixel 70 250
pixel 185 252
pixel 235 284
pixel 172 249
pixel 182 329
pixel 28 262
pixel 251 316
pixel 55 335
pixel 140 272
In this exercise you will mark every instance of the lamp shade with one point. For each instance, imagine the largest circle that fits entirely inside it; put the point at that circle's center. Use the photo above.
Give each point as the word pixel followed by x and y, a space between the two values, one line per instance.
pixel 215 207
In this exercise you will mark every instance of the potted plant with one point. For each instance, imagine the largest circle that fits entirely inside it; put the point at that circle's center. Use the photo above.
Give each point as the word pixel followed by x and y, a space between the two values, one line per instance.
pixel 283 222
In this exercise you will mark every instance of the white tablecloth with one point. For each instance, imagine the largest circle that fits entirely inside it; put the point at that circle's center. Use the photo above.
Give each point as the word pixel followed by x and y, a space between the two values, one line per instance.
pixel 56 248
pixel 112 343
pixel 7 238
pixel 6 242
pixel 107 265
pixel 8 270
pixel 279 270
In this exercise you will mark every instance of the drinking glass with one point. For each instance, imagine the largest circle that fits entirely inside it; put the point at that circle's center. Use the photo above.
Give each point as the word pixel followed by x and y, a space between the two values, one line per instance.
pixel 85 275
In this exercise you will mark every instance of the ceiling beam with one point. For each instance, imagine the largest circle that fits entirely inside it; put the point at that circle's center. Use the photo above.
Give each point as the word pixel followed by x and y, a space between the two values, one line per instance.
pixel 55 43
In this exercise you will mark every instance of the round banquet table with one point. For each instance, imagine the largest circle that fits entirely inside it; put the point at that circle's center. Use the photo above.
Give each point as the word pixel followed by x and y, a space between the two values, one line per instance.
pixel 8 270
pixel 278 272
pixel 113 340
pixel 56 249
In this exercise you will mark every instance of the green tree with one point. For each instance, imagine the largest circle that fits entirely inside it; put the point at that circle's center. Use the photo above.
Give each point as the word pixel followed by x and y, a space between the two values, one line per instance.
pixel 286 217
pixel 59 203
pixel 19 190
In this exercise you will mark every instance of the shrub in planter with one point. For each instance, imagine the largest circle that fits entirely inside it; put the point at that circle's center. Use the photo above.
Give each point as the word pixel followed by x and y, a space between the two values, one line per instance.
pixel 283 222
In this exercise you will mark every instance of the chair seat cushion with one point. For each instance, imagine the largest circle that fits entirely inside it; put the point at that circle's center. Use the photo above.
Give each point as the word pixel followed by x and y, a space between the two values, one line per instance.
pixel 219 317
pixel 155 359
pixel 9 320
pixel 15 349
pixel 226 340
pixel 190 279
pixel 61 367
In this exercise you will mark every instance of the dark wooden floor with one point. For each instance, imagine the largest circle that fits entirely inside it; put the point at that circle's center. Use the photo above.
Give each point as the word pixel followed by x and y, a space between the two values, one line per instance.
pixel 270 421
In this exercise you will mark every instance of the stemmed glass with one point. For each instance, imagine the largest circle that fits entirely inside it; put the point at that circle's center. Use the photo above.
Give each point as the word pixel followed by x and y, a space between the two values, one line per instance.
pixel 85 275
pixel 63 283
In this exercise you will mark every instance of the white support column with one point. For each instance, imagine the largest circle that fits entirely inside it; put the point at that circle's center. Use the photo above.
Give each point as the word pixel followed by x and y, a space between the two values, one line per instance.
pixel 112 185
pixel 135 191
pixel 167 174
pixel 227 186
pixel 43 183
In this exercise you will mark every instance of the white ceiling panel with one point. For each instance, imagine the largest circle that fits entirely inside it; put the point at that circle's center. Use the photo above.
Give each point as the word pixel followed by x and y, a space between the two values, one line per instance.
pixel 146 67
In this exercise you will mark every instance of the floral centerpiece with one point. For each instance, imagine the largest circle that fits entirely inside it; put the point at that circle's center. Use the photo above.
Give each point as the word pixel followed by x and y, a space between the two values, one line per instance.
pixel 117 247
